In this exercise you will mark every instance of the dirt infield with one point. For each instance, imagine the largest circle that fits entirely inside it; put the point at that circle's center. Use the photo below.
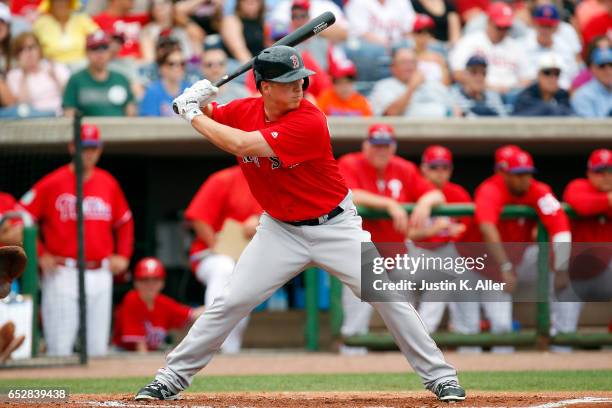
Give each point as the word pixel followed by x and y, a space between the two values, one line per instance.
pixel 351 399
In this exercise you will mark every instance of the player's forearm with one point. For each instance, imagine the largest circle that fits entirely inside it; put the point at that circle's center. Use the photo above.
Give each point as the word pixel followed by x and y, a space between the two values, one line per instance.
pixel 367 199
pixel 490 235
pixel 398 107
pixel 124 238
pixel 204 232
pixel 588 204
pixel 432 198
pixel 234 141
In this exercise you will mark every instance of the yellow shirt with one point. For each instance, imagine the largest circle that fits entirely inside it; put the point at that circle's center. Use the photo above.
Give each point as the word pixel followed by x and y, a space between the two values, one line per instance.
pixel 67 44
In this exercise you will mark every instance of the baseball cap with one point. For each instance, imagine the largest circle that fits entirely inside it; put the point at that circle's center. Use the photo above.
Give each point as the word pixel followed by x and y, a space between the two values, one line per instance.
pixel 381 134
pixel 547 15
pixel 476 60
pixel 500 14
pixel 520 163
pixel 549 60
pixel 97 39
pixel 600 159
pixel 148 268
pixel 90 135
pixel 303 4
pixel 423 22
pixel 5 13
pixel 343 69
pixel 437 154
pixel 502 154
pixel 601 56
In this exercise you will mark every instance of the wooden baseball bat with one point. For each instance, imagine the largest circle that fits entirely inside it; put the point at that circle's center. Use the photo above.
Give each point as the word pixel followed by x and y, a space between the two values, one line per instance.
pixel 312 28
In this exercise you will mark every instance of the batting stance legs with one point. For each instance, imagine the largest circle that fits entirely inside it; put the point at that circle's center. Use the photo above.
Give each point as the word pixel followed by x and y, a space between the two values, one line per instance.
pixel 277 253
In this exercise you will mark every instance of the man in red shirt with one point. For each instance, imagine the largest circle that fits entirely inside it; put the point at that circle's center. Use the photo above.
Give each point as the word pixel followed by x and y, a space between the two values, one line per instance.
pixel 224 195
pixel 145 315
pixel 381 180
pixel 109 238
pixel 284 149
pixel 437 238
pixel 591 198
pixel 117 20
pixel 514 184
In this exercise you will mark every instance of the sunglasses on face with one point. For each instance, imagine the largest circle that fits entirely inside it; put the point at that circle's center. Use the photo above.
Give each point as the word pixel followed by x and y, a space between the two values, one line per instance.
pixel 503 29
pixel 439 166
pixel 299 16
pixel 99 48
pixel 606 65
pixel 482 72
pixel 551 72
pixel 603 170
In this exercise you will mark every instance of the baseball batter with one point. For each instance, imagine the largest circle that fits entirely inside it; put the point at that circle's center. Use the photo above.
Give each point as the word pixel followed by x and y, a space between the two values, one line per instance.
pixel 224 195
pixel 380 179
pixel 109 237
pixel 283 146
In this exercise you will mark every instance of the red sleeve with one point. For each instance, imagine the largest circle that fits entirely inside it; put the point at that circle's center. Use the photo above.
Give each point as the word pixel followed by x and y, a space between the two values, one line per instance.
pixel 549 210
pixel 132 323
pixel 348 169
pixel 460 195
pixel 33 201
pixel 179 313
pixel 489 204
pixel 300 136
pixel 7 203
pixel 207 205
pixel 416 184
pixel 123 224
pixel 584 199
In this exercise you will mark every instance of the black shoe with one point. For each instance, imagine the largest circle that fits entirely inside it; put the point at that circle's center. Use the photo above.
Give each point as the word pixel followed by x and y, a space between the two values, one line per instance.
pixel 155 391
pixel 450 391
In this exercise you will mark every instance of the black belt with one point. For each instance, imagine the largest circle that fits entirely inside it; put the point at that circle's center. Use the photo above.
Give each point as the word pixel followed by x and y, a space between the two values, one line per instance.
pixel 320 220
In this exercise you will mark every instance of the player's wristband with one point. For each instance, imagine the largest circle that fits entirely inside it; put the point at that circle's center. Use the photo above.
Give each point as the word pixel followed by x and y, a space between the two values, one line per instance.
pixel 192 113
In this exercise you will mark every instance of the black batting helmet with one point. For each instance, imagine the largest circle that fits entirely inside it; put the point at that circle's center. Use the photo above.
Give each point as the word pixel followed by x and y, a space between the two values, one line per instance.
pixel 280 64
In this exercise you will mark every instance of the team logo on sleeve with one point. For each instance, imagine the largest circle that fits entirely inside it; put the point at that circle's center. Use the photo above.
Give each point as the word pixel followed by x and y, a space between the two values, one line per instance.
pixel 28 197
pixel 251 159
pixel 275 162
pixel 274 134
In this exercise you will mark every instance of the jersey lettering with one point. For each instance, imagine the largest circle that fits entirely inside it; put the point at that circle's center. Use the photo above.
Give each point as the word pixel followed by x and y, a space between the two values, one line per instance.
pixel 276 163
pixel 94 208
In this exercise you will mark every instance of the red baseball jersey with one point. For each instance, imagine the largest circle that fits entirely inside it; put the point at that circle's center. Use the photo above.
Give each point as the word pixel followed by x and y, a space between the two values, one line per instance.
pixel 401 181
pixel 129 27
pixel 109 228
pixel 595 225
pixel 135 322
pixel 453 193
pixel 225 194
pixel 302 181
pixel 7 202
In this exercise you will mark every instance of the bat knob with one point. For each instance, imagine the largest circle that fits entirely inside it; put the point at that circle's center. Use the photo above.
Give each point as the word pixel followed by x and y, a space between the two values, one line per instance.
pixel 175 108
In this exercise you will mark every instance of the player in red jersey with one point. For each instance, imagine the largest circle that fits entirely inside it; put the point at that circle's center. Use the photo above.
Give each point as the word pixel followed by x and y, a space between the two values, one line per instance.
pixel 591 198
pixel 109 237
pixel 381 180
pixel 145 316
pixel 437 238
pixel 514 184
pixel 224 195
pixel 283 146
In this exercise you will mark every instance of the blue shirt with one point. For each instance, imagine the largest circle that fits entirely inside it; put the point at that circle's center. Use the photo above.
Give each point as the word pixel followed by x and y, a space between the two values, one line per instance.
pixel 593 100
pixel 157 101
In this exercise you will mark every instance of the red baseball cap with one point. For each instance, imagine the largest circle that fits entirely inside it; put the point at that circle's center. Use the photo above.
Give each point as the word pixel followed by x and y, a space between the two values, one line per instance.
pixel 423 22
pixel 520 163
pixel 600 159
pixel 343 69
pixel 381 134
pixel 502 154
pixel 97 39
pixel 303 4
pixel 437 154
pixel 149 268
pixel 500 14
pixel 90 135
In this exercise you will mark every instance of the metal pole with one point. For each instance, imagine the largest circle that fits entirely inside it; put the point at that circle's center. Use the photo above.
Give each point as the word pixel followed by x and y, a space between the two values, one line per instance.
pixel 543 313
pixel 78 166
pixel 29 280
pixel 335 306
pixel 311 282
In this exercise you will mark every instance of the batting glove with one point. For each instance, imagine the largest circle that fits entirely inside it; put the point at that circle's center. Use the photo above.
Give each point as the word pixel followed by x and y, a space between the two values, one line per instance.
pixel 188 105
pixel 204 91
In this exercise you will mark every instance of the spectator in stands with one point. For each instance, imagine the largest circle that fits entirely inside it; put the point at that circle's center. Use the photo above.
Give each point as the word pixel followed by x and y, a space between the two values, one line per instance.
pixel 145 315
pixel 406 93
pixel 594 99
pixel 545 39
pixel 430 63
pixel 214 67
pixel 165 20
pixel 208 14
pixel 585 74
pixel 545 96
pixel 447 25
pixel 159 95
pixel 280 18
pixel 472 97
pixel 35 82
pixel 508 68
pixel 95 90
pixel 118 19
pixel 62 31
pixel 342 99
pixel 380 22
pixel 5 39
pixel 243 32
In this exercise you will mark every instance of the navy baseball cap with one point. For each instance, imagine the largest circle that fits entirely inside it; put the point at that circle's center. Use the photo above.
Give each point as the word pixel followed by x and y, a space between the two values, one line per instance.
pixel 547 15
pixel 601 56
pixel 476 60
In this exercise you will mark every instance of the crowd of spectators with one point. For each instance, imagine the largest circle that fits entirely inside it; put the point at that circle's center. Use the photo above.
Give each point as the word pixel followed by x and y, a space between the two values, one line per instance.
pixel 416 58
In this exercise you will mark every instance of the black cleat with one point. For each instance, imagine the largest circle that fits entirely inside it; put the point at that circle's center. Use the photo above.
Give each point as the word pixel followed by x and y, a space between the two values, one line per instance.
pixel 155 391
pixel 450 391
